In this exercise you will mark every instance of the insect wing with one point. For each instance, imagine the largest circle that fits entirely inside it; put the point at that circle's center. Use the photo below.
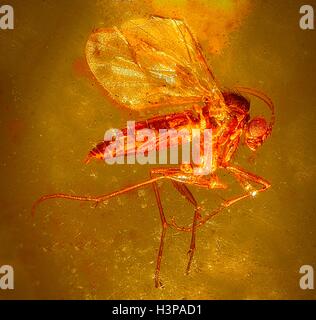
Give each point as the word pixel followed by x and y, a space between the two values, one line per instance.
pixel 151 62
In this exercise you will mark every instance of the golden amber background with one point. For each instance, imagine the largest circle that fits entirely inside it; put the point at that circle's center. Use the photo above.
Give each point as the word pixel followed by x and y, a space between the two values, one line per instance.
pixel 52 114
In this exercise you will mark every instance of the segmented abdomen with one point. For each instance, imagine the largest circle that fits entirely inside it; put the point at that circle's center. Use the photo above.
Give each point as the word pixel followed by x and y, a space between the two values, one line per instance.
pixel 172 121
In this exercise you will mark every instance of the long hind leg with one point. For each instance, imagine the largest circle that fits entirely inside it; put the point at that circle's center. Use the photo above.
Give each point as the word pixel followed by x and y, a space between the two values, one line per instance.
pixel 168 173
pixel 164 225
pixel 96 199
pixel 184 190
pixel 102 198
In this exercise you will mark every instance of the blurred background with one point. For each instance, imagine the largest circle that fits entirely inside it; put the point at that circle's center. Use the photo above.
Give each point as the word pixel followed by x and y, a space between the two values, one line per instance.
pixel 52 114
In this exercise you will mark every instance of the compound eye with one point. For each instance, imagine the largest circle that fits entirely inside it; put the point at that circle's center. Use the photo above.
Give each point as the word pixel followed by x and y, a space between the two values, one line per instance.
pixel 257 127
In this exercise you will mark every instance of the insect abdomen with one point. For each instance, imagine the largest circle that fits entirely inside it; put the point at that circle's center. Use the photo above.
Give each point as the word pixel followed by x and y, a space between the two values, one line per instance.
pixel 172 121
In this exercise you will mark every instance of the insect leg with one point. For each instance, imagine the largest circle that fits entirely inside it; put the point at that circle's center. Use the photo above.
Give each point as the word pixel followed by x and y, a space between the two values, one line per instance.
pixel 171 174
pixel 164 225
pixel 188 195
pixel 242 176
pixel 184 190
pixel 193 236
pixel 179 182
pixel 96 199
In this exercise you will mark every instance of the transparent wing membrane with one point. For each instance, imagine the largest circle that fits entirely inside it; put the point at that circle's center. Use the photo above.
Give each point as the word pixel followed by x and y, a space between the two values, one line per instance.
pixel 151 62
